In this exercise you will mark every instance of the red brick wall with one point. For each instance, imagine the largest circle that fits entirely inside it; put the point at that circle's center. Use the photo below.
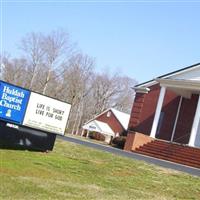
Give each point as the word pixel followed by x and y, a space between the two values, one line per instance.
pixel 135 140
pixel 136 110
pixel 185 120
pixel 142 119
pixel 143 111
pixel 112 121
pixel 170 107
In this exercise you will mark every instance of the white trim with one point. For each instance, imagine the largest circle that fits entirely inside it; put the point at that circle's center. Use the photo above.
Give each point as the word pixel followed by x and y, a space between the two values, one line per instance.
pixel 143 90
pixel 180 72
pixel 147 84
pixel 180 84
pixel 158 111
pixel 175 73
pixel 176 120
pixel 195 125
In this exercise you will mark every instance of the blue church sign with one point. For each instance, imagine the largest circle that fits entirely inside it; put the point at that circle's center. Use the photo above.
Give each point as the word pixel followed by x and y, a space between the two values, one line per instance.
pixel 13 102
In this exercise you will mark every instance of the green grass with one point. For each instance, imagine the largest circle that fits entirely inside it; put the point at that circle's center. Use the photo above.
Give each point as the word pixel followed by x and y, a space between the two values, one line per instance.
pixel 76 172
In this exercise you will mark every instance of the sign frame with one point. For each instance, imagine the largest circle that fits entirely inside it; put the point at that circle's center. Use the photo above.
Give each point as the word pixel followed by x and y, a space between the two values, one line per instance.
pixel 44 113
pixel 26 110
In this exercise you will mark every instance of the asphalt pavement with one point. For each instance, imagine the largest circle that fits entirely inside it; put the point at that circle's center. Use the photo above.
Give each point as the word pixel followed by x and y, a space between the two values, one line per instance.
pixel 132 155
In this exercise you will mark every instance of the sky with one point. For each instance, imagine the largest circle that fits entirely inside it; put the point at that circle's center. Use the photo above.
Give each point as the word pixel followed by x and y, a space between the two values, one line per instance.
pixel 139 39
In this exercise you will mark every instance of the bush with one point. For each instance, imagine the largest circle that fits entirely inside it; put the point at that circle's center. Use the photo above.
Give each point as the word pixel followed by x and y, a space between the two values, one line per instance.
pixel 119 142
pixel 96 136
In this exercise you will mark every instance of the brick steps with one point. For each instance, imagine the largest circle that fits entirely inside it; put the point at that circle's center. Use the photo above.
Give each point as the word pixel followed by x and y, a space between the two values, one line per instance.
pixel 172 152
pixel 172 149
pixel 180 158
pixel 170 159
pixel 177 146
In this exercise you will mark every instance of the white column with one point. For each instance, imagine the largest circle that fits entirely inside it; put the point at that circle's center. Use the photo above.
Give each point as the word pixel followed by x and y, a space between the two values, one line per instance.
pixel 195 125
pixel 87 133
pixel 176 120
pixel 158 111
pixel 82 133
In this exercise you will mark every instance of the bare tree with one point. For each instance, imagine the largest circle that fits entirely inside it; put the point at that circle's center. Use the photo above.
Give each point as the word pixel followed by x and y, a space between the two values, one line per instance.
pixel 104 87
pixel 111 91
pixel 58 50
pixel 4 60
pixel 46 55
pixel 124 100
pixel 31 45
pixel 15 71
pixel 2 65
pixel 76 85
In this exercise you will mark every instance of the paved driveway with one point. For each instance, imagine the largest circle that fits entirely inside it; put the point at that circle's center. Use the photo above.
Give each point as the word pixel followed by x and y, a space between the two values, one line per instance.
pixel 162 163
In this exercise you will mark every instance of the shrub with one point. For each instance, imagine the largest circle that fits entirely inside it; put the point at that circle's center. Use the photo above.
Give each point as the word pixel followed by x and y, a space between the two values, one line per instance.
pixel 96 136
pixel 119 142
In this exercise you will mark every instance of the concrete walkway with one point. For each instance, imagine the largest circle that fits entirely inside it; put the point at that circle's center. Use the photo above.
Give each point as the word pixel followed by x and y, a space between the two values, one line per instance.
pixel 162 163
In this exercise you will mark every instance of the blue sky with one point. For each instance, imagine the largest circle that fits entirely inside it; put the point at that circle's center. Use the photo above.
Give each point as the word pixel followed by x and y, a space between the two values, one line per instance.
pixel 139 39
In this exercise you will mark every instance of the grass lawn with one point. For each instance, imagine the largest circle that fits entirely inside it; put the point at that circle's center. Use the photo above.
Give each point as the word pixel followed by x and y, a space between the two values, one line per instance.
pixel 75 172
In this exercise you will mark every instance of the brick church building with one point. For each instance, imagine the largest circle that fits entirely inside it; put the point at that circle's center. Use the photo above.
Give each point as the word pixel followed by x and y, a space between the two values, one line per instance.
pixel 109 124
pixel 165 117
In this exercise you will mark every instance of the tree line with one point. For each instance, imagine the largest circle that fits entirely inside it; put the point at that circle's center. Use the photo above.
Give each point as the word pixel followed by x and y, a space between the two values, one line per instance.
pixel 52 65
